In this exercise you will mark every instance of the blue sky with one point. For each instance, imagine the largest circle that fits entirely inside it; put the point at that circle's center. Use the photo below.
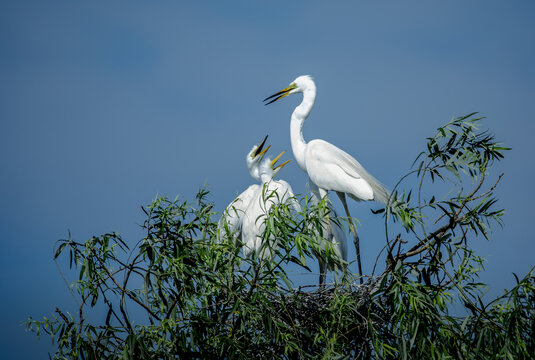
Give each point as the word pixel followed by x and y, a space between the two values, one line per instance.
pixel 104 105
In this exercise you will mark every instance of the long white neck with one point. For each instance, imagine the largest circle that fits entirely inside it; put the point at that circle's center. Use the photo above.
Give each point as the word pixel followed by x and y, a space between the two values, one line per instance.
pixel 265 172
pixel 254 171
pixel 299 116
pixel 265 178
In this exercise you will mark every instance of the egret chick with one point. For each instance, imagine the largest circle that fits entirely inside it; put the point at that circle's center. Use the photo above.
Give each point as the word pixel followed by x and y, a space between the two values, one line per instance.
pixel 270 193
pixel 233 214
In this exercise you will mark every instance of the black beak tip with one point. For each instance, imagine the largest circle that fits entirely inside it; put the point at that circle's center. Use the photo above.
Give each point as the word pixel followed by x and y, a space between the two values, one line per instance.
pixel 276 97
pixel 261 146
pixel 273 100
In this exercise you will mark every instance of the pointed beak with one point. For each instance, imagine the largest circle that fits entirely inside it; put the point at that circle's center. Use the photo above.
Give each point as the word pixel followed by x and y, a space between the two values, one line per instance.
pixel 263 151
pixel 277 159
pixel 280 94
pixel 282 165
pixel 259 151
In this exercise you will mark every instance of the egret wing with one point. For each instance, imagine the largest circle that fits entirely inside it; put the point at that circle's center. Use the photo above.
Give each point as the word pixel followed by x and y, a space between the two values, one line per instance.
pixel 234 213
pixel 340 171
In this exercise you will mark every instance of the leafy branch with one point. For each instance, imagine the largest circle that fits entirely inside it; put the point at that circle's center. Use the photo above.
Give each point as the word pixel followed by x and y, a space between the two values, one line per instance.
pixel 182 291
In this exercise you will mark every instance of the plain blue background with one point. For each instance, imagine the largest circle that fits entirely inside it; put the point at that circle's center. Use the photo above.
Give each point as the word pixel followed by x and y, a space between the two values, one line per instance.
pixel 104 105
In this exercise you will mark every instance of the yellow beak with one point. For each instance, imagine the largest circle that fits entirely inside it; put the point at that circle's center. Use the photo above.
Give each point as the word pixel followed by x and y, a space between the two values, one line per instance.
pixel 263 151
pixel 282 165
pixel 284 92
pixel 277 159
pixel 259 151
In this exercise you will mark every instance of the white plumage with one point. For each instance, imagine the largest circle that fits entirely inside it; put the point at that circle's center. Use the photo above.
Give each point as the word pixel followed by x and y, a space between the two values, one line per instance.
pixel 330 168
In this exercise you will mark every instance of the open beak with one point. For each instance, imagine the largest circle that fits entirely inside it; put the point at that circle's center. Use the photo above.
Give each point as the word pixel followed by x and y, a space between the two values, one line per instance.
pixel 259 151
pixel 280 94
pixel 277 159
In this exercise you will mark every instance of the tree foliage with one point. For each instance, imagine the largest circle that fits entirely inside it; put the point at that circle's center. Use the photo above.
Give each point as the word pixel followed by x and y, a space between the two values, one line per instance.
pixel 179 293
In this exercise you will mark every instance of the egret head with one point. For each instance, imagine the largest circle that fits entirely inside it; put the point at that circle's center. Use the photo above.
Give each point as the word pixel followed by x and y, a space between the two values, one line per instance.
pixel 300 84
pixel 254 157
pixel 277 168
pixel 268 169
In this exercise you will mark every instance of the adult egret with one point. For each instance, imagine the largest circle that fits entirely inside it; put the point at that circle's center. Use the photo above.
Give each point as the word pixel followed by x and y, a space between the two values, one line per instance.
pixel 232 217
pixel 331 232
pixel 271 192
pixel 327 166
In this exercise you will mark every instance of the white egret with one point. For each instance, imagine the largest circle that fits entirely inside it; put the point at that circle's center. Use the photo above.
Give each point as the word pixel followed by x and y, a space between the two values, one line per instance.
pixel 327 166
pixel 271 192
pixel 332 232
pixel 233 215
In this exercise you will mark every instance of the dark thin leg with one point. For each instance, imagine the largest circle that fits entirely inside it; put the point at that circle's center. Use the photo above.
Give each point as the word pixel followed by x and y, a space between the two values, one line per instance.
pixel 323 266
pixel 322 278
pixel 356 240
